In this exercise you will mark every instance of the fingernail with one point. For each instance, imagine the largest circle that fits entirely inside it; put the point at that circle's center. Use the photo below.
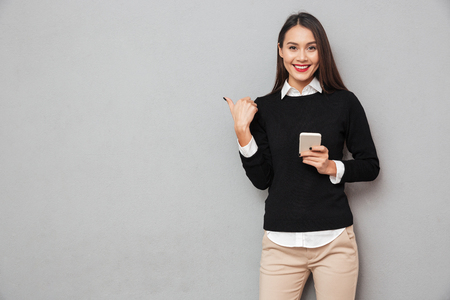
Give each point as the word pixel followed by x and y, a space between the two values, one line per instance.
pixel 224 99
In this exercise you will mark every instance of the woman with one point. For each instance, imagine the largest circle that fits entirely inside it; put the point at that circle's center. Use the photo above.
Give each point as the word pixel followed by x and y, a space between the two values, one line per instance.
pixel 308 223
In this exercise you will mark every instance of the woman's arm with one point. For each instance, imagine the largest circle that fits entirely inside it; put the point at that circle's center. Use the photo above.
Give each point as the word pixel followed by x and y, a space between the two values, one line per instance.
pixel 248 124
pixel 365 165
pixel 259 166
pixel 242 112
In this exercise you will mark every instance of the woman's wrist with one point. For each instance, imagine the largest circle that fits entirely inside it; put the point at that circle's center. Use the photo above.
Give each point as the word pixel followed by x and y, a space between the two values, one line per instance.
pixel 331 168
pixel 243 134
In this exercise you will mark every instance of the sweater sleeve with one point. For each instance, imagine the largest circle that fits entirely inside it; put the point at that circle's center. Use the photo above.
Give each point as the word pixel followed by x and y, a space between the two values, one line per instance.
pixel 365 164
pixel 259 166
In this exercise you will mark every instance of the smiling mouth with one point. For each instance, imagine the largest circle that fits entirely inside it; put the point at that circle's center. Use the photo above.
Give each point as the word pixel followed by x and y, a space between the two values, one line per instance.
pixel 302 68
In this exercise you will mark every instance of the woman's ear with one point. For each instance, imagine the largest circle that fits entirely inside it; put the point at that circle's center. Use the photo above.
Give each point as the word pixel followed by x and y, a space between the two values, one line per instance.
pixel 280 52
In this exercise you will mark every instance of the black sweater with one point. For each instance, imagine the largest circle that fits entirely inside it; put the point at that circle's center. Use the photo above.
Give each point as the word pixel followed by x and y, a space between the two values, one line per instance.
pixel 300 199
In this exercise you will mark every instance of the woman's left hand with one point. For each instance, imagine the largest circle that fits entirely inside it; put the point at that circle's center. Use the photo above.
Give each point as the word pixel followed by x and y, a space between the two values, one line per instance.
pixel 318 158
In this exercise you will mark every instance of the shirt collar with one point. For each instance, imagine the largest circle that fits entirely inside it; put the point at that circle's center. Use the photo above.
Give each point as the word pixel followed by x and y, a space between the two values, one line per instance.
pixel 312 88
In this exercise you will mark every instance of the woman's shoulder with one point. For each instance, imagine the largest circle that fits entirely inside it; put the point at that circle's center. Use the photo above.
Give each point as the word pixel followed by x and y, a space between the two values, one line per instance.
pixel 269 98
pixel 348 101
pixel 344 96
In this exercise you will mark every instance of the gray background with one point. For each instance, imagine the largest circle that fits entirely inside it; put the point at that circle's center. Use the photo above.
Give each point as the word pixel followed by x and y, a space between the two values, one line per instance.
pixel 120 176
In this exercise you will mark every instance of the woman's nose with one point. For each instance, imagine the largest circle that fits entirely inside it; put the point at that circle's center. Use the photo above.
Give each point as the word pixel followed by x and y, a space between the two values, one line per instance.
pixel 301 56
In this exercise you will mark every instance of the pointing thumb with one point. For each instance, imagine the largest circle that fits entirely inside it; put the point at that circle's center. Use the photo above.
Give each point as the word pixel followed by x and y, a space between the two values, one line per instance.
pixel 230 103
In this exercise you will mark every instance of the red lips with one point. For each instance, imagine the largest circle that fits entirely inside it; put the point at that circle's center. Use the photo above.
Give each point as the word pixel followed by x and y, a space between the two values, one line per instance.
pixel 301 68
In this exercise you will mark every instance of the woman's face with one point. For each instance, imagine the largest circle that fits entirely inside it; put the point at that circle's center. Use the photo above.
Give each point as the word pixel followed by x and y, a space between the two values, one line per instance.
pixel 300 56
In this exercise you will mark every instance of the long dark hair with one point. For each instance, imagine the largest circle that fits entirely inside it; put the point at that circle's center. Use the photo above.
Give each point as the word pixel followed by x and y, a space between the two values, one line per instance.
pixel 327 72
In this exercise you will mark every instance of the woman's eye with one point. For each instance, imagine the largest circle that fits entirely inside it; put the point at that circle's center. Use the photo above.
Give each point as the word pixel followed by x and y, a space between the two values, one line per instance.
pixel 312 48
pixel 293 48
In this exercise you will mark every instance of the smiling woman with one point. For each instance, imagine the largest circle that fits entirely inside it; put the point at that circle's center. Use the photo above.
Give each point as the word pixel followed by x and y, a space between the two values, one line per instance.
pixel 307 27
pixel 308 222
pixel 300 56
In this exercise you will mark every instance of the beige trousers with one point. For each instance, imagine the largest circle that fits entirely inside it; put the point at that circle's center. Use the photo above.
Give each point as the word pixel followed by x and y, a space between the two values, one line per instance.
pixel 284 270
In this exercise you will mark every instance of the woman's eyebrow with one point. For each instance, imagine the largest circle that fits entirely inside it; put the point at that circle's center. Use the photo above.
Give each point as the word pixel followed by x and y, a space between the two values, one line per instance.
pixel 296 44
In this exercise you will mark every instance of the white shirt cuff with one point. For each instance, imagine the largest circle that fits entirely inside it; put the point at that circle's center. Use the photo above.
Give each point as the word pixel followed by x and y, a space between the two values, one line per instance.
pixel 248 150
pixel 340 169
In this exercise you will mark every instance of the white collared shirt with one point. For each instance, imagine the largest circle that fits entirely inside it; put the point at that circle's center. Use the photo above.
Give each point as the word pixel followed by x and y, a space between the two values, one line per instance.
pixel 312 88
pixel 312 239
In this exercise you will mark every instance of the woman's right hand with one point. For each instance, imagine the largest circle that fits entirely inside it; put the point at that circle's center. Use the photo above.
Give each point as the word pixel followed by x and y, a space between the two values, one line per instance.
pixel 242 112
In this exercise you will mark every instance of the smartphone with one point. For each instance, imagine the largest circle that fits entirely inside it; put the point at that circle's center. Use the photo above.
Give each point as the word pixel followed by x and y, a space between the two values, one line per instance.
pixel 309 139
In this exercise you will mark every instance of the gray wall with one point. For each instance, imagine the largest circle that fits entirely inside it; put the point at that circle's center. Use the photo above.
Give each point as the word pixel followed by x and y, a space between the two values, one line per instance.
pixel 120 176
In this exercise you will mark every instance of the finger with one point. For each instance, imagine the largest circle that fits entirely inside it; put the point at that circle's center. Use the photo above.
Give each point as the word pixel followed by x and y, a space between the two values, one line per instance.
pixel 230 103
pixel 316 153
pixel 309 153
pixel 319 165
pixel 247 104
pixel 311 163
pixel 313 159
pixel 318 149
pixel 305 153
